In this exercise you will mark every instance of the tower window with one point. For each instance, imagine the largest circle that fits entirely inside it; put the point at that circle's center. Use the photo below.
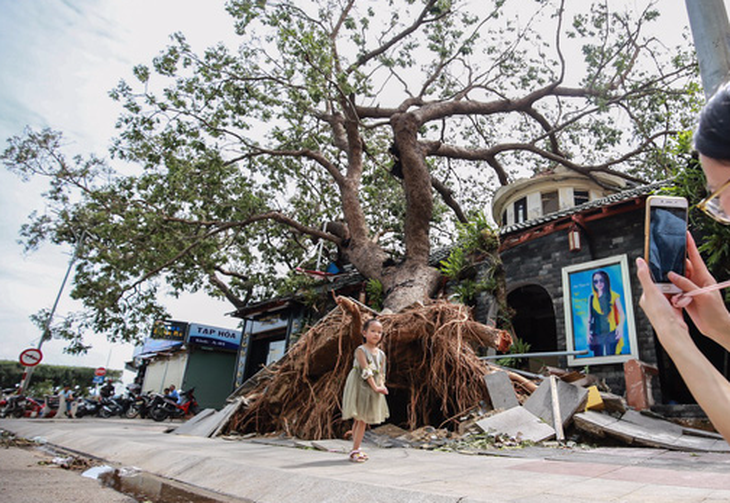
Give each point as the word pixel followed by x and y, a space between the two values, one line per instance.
pixel 549 202
pixel 580 197
pixel 521 210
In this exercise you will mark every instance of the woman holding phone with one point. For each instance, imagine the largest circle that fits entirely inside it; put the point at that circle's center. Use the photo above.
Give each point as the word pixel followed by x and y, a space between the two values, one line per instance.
pixel 703 303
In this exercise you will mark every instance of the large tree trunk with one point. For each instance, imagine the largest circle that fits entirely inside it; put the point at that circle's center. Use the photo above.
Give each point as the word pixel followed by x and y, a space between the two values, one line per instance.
pixel 404 283
pixel 411 280
pixel 407 283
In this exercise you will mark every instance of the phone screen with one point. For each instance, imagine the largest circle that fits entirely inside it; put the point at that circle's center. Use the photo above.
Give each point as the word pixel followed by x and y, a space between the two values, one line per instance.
pixel 667 241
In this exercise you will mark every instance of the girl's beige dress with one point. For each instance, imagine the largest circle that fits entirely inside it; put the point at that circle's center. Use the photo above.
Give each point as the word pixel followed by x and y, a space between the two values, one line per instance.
pixel 359 401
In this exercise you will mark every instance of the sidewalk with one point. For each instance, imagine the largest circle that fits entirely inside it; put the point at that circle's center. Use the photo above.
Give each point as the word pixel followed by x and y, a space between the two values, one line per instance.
pixel 253 471
pixel 19 466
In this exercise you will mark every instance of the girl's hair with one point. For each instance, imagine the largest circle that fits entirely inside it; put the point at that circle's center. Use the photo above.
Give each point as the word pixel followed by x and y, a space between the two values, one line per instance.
pixel 366 325
pixel 712 136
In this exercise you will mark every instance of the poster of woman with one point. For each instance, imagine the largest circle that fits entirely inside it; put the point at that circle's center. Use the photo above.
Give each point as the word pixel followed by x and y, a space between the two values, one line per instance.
pixel 599 317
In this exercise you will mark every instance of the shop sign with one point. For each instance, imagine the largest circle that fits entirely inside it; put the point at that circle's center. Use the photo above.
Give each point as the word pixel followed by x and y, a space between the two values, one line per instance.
pixel 215 337
pixel 169 330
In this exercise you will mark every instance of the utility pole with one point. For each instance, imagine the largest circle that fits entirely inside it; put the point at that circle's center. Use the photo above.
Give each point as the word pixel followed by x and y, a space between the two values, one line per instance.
pixel 711 34
pixel 46 334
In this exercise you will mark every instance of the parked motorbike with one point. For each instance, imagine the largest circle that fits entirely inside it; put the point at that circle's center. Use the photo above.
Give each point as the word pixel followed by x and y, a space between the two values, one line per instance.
pixel 87 407
pixel 13 405
pixel 139 406
pixel 111 406
pixel 36 407
pixel 169 408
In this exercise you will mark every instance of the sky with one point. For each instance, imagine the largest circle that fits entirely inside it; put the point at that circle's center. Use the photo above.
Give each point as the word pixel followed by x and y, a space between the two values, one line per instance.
pixel 58 61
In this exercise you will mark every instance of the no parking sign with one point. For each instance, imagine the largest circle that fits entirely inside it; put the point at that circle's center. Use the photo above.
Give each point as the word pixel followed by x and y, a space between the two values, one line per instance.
pixel 31 357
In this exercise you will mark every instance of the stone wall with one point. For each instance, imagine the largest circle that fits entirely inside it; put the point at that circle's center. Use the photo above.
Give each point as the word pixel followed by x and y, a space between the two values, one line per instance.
pixel 540 262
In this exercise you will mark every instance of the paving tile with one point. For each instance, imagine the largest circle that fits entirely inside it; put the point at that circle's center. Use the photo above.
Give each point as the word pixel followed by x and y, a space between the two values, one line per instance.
pixel 667 477
pixel 548 498
pixel 567 468
pixel 668 494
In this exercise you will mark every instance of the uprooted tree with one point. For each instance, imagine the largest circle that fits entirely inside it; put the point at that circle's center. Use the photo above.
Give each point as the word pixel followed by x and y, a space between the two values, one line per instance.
pixel 434 374
pixel 373 126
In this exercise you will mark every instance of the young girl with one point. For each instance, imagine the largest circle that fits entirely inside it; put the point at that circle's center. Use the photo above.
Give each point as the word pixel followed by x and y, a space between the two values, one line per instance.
pixel 364 395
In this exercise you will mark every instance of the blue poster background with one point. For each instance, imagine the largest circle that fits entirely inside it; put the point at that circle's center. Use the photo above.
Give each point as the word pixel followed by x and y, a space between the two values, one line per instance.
pixel 580 293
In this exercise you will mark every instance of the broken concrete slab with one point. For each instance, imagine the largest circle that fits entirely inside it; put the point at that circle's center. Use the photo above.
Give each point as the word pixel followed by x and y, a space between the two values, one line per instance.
pixel 613 403
pixel 501 391
pixel 210 424
pixel 193 422
pixel 638 429
pixel 202 428
pixel 517 422
pixel 571 398
pixel 332 445
pixel 226 413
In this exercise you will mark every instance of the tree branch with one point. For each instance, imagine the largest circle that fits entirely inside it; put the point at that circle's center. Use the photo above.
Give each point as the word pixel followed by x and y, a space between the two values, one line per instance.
pixel 421 19
pixel 226 291
pixel 448 197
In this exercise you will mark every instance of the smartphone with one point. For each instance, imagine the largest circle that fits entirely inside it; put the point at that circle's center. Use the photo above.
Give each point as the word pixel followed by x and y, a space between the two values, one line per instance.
pixel 665 233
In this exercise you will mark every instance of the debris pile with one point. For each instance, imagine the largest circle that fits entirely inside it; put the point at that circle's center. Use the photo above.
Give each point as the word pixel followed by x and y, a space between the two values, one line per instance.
pixel 433 370
pixel 446 395
pixel 570 404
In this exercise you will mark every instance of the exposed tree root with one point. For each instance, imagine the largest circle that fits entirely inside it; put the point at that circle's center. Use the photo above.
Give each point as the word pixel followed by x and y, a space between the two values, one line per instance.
pixel 433 370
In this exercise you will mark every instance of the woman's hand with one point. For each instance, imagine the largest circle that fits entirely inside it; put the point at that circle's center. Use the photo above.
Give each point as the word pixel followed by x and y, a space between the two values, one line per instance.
pixel 666 319
pixel 381 389
pixel 707 310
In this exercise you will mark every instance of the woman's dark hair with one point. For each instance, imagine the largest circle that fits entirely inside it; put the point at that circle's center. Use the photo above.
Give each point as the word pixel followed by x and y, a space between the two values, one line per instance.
pixel 605 299
pixel 366 325
pixel 712 136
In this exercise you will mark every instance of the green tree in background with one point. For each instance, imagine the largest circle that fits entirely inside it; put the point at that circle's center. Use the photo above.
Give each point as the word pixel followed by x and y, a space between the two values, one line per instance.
pixel 47 378
pixel 373 126
pixel 712 238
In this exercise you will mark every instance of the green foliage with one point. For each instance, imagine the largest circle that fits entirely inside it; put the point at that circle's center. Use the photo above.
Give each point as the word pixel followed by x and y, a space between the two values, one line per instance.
pixel 375 294
pixel 518 347
pixel 473 238
pixel 232 158
pixel 712 238
pixel 454 265
pixel 47 378
pixel 296 282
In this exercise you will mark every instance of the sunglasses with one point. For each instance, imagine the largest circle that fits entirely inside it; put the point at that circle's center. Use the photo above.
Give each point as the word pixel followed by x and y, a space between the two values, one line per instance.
pixel 711 206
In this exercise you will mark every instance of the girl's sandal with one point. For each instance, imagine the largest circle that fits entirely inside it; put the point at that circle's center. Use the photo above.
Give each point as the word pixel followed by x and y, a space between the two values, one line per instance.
pixel 358 457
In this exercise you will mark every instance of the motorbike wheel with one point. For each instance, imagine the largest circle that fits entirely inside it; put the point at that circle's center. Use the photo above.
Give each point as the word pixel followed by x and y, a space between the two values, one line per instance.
pixel 105 413
pixel 18 413
pixel 195 409
pixel 131 412
pixel 158 414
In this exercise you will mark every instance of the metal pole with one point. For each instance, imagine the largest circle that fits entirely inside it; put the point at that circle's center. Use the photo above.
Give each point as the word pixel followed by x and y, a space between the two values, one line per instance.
pixel 535 355
pixel 711 35
pixel 25 380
